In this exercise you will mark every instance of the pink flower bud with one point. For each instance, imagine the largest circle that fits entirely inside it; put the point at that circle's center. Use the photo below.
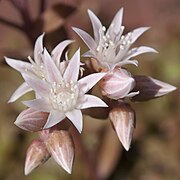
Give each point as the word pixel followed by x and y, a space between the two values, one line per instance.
pixel 123 121
pixel 36 155
pixel 150 88
pixel 31 120
pixel 117 84
pixel 61 147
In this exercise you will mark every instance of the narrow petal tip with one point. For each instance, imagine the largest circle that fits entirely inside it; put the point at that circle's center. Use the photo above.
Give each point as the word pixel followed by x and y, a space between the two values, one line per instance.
pixel 151 88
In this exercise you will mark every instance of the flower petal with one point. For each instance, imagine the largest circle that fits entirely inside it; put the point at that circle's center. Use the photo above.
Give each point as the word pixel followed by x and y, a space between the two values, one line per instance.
pixel 89 54
pixel 133 36
pixel 89 81
pixel 38 104
pixel 20 91
pixel 58 50
pixel 136 33
pixel 39 86
pixel 92 101
pixel 72 71
pixel 54 118
pixel 122 63
pixel 96 23
pixel 116 24
pixel 38 49
pixel 18 65
pixel 75 116
pixel 139 50
pixel 88 40
pixel 53 74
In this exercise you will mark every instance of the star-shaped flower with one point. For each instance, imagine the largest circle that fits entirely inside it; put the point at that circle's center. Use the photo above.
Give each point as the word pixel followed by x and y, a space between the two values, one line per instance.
pixel 109 47
pixel 36 67
pixel 62 95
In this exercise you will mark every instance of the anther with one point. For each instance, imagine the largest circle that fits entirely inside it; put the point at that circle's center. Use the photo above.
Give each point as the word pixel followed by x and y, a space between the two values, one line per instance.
pixel 104 28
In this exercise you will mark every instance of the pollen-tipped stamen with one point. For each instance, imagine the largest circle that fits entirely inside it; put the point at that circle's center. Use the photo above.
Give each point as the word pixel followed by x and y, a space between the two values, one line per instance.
pixel 63 95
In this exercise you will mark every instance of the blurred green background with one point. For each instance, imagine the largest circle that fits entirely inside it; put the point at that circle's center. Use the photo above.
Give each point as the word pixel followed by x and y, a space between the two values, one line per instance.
pixel 155 149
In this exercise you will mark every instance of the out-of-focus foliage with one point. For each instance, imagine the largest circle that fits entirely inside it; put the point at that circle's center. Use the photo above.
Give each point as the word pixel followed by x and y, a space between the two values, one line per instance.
pixel 155 149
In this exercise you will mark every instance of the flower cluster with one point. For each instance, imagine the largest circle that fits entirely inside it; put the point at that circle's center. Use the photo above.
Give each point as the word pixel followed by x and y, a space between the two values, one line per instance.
pixel 61 94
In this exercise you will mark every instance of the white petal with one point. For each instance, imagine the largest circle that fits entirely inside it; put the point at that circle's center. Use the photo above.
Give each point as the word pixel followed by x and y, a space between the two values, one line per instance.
pixel 139 50
pixel 38 104
pixel 72 71
pixel 92 101
pixel 89 81
pixel 88 54
pixel 19 65
pixel 58 50
pixel 96 23
pixel 53 73
pixel 116 23
pixel 54 118
pixel 133 37
pixel 20 91
pixel 38 49
pixel 124 62
pixel 136 33
pixel 88 40
pixel 75 116
pixel 39 86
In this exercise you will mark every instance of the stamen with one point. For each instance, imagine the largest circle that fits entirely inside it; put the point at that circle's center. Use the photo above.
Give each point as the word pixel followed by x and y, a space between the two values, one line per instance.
pixel 98 48
pixel 104 28
pixel 63 95
pixel 121 47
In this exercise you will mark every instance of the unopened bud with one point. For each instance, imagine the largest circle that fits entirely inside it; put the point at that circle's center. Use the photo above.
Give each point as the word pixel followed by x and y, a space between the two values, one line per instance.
pixel 61 147
pixel 36 155
pixel 123 121
pixel 31 120
pixel 150 88
pixel 117 84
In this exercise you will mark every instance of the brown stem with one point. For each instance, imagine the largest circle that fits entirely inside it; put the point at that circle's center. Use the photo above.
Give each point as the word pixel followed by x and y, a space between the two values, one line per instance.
pixel 9 23
pixel 84 154
pixel 22 7
pixel 42 6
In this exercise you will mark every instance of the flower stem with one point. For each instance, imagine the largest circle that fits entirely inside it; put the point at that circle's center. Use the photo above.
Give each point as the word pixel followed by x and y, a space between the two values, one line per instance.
pixel 90 165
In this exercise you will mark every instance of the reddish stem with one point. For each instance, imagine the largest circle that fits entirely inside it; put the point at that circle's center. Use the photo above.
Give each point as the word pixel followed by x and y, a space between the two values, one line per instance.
pixel 84 155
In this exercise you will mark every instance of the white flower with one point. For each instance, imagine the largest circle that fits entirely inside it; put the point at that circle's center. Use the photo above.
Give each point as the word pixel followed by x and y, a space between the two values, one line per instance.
pixel 109 47
pixel 36 67
pixel 62 95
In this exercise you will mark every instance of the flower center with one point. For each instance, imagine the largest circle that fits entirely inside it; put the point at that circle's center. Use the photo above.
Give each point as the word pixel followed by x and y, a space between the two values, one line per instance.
pixel 63 96
pixel 105 41
pixel 38 70
pixel 111 43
